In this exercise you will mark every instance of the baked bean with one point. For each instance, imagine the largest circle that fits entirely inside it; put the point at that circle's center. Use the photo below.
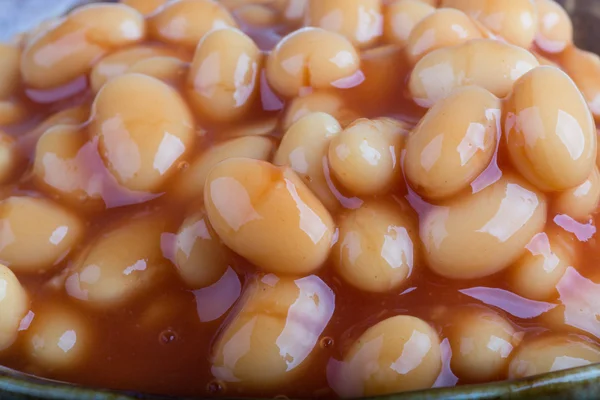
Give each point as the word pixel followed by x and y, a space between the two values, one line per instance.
pixel 254 205
pixel 123 262
pixel 398 354
pixel 257 15
pixel 499 221
pixel 555 30
pixel 36 233
pixel 482 342
pixel 319 101
pixel 454 143
pixel 270 341
pixel 118 63
pixel 401 17
pixel 549 130
pixel 11 158
pixel 432 3
pixel 223 81
pixel 310 57
pixel 69 49
pixel 543 60
pixel 378 246
pixel 60 166
pixel 185 22
pixel 200 256
pixel 304 148
pixel 145 7
pixel 584 68
pixel 515 20
pixel 12 112
pixel 143 127
pixel 582 201
pixel 190 184
pixel 59 337
pixel 14 304
pixel 488 63
pixel 443 28
pixel 170 70
pixel 552 352
pixel 538 271
pixel 10 70
pixel 360 21
pixel 365 157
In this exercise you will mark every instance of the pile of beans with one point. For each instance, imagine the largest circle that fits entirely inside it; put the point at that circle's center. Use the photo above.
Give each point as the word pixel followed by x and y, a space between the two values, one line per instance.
pixel 303 198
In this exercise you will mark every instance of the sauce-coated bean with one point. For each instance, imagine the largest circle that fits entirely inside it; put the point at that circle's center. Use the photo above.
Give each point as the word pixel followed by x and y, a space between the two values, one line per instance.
pixel 361 21
pixel 454 143
pixel 223 81
pixel 401 17
pixel 36 234
pixel 549 130
pixel 143 127
pixel 185 22
pixel 498 220
pixel 488 63
pixel 14 304
pixel 311 57
pixel 398 354
pixel 304 148
pixel 378 246
pixel 442 28
pixel 254 205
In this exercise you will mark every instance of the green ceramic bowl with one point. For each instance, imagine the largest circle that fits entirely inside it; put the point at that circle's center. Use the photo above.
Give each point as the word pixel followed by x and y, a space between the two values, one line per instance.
pixel 577 383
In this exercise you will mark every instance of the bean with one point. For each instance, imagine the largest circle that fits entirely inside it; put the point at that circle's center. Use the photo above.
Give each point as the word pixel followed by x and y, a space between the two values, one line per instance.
pixel 498 221
pixel 254 205
pixel 454 143
pixel 491 64
pixel 549 130
pixel 310 57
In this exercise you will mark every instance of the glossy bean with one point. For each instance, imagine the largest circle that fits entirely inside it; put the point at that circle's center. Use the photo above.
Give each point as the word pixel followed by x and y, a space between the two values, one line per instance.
pixel 400 17
pixel 482 342
pixel 123 262
pixel 365 157
pixel 488 63
pixel 310 57
pixel 254 205
pixel 555 29
pixel 514 20
pixel 273 337
pixel 537 272
pixel 10 71
pixel 200 256
pixel 378 363
pixel 549 130
pixel 185 22
pixel 361 21
pixel 454 143
pixel 141 152
pixel 443 28
pixel 223 81
pixel 378 246
pixel 304 148
pixel 14 304
pixel 36 233
pixel 552 352
pixel 498 220
pixel 70 48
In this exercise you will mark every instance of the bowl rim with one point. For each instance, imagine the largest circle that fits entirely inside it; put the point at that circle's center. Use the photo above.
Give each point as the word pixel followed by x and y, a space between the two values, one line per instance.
pixel 584 382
